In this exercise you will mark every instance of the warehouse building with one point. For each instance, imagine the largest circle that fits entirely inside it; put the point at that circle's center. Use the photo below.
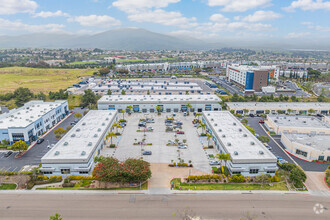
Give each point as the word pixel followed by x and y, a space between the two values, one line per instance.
pixel 308 146
pixel 74 154
pixel 249 156
pixel 296 124
pixel 27 123
pixel 284 107
pixel 161 103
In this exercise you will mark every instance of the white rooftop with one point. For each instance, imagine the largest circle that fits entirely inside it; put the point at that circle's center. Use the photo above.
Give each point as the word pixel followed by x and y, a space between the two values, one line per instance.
pixel 317 141
pixel 298 121
pixel 79 144
pixel 159 99
pixel 279 105
pixel 27 114
pixel 249 68
pixel 237 140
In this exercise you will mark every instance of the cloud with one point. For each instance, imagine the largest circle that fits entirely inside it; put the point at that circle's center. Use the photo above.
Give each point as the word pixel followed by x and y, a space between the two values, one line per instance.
pixel 160 16
pixel 136 5
pixel 102 21
pixel 194 34
pixel 234 26
pixel 262 16
pixel 19 26
pixel 297 35
pixel 308 5
pixel 312 26
pixel 219 18
pixel 17 6
pixel 239 5
pixel 47 14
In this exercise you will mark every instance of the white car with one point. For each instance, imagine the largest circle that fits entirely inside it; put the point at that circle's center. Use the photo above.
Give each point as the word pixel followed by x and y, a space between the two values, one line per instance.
pixel 182 146
pixel 215 162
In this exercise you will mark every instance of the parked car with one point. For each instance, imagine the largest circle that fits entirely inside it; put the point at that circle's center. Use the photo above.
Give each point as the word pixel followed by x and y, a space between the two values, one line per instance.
pixel 123 124
pixel 261 122
pixel 214 162
pixel 8 153
pixel 251 115
pixel 142 124
pixel 180 132
pixel 183 146
pixel 196 125
pixel 320 115
pixel 171 142
pixel 150 121
pixel 178 123
pixel 147 152
pixel 282 161
pixel 73 123
pixel 185 114
pixel 39 141
pixel 279 158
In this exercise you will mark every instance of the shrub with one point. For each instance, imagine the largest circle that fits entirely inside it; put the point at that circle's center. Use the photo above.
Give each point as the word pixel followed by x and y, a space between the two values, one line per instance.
pixel 274 179
pixel 216 170
pixel 112 145
pixel 224 170
pixel 80 178
pixel 118 134
pixel 65 185
pixel 122 120
pixel 250 129
pixel 237 178
pixel 287 166
pixel 202 134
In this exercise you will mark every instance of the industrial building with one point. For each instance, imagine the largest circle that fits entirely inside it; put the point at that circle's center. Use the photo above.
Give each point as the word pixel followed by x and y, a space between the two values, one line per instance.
pixel 296 124
pixel 161 103
pixel 30 121
pixel 293 107
pixel 74 154
pixel 250 78
pixel 308 146
pixel 153 87
pixel 249 156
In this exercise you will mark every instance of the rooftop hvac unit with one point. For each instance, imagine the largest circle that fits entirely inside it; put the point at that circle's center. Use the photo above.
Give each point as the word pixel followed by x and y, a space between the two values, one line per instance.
pixel 240 129
pixel 57 153
pixel 212 119
pixel 73 135
pixel 252 143
pixel 215 125
pixel 78 129
pixel 83 153
pixel 95 135
pixel 103 124
pixel 261 152
pixel 208 114
pixel 228 144
pixel 99 129
pixel 107 119
pixel 244 135
pixel 234 123
pixel 223 136
pixel 84 123
pixel 65 143
pixel 235 153
pixel 220 130
pixel 90 143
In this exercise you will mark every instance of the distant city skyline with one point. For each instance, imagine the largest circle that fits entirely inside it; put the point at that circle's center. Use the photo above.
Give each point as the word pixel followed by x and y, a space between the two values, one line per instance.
pixel 211 20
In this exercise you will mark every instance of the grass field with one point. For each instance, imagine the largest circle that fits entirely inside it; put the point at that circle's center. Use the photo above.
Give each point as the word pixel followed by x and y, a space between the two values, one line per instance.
pixel 82 63
pixel 7 186
pixel 147 60
pixel 39 80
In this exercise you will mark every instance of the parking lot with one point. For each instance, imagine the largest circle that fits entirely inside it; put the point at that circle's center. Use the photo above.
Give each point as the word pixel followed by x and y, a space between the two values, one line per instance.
pixel 161 153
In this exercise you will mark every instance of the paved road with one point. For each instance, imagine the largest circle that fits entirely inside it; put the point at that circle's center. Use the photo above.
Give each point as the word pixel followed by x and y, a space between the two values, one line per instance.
pixel 106 206
pixel 277 151
pixel 34 155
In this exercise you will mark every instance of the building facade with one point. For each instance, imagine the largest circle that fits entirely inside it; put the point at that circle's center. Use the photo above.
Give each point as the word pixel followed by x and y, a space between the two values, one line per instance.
pixel 29 122
pixel 74 154
pixel 249 156
pixel 161 103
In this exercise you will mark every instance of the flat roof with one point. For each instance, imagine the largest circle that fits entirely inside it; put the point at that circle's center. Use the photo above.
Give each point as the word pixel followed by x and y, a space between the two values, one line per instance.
pixel 158 99
pixel 150 88
pixel 27 114
pixel 249 68
pixel 236 139
pixel 298 121
pixel 317 141
pixel 279 105
pixel 79 144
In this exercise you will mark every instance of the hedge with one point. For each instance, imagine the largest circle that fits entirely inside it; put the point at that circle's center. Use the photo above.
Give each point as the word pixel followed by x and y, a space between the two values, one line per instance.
pixel 80 177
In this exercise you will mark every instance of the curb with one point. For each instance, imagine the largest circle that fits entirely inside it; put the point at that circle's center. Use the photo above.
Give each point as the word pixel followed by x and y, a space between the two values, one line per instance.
pixel 297 156
pixel 16 157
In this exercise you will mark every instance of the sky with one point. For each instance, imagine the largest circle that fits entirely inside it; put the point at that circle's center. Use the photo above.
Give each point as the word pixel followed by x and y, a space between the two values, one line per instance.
pixel 214 20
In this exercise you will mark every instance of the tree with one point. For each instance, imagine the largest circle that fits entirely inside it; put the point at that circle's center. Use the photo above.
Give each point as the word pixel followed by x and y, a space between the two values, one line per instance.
pixel 297 176
pixel 198 114
pixel 109 92
pixel 123 112
pixel 311 111
pixel 226 157
pixel 189 106
pixel 209 136
pixel 77 115
pixel 88 98
pixel 187 92
pixel 264 139
pixel 220 157
pixel 244 121
pixel 104 71
pixel 59 131
pixel 294 98
pixel 55 217
pixel 263 178
pixel 246 111
pixel 203 126
pixel 159 108
pixel 129 108
pixel 22 95
pixel 41 96
pixel 123 92
pixel 111 135
pixel 19 146
pixel 117 125
pixel 289 111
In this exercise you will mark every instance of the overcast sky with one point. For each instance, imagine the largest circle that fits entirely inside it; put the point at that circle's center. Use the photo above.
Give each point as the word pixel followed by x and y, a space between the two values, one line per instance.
pixel 297 20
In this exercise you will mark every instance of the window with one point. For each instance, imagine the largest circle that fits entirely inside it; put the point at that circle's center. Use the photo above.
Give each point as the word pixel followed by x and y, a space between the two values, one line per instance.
pixel 65 171
pixel 47 172
pixel 300 152
pixel 237 173
pixel 252 171
pixel 321 157
pixel 152 110
pixel 272 171
pixel 83 172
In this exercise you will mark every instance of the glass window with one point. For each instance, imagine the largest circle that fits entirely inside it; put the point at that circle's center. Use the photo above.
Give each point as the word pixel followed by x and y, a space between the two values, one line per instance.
pixel 65 171
pixel 252 171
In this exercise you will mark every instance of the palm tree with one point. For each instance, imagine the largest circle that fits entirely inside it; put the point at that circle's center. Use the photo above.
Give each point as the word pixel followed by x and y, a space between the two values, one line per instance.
pixel 198 114
pixel 122 111
pixel 117 125
pixel 209 136
pixel 129 107
pixel 226 158
pixel 111 135
pixel 246 111
pixel 203 126
pixel 220 157
pixel 159 108
pixel 311 111
pixel 289 111
pixel 189 106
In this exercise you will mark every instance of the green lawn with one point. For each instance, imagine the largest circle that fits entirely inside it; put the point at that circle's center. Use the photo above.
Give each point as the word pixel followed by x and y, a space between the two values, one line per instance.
pixel 38 79
pixel 229 186
pixel 143 187
pixel 8 186
pixel 82 63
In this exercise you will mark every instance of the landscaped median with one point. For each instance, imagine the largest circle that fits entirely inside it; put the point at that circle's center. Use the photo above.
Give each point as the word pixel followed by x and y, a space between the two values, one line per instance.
pixel 8 186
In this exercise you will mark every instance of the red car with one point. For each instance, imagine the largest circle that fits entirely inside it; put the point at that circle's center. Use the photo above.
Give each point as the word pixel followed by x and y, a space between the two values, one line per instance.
pixel 180 132
pixel 261 121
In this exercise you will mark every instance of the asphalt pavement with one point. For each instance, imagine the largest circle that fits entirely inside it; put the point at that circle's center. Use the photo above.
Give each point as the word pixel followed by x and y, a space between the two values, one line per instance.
pixel 34 155
pixel 103 205
pixel 279 151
